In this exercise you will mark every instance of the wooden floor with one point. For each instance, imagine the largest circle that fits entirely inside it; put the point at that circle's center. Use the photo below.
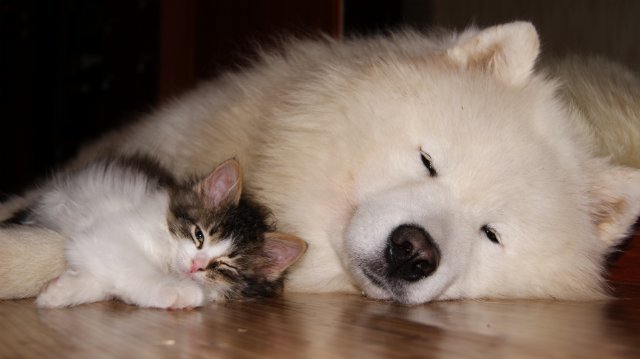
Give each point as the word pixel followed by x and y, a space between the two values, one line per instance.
pixel 326 326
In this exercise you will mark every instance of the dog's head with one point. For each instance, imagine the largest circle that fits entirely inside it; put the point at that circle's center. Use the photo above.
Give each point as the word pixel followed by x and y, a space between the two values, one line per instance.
pixel 479 184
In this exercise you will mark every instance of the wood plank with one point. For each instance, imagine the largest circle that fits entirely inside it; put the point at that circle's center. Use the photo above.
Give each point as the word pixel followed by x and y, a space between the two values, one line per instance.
pixel 326 326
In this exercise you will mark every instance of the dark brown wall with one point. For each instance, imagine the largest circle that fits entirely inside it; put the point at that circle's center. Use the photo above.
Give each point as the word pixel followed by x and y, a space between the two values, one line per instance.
pixel 72 69
pixel 69 70
pixel 201 38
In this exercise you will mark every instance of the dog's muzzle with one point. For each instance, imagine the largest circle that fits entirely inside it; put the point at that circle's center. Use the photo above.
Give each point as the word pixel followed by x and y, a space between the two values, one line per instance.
pixel 411 253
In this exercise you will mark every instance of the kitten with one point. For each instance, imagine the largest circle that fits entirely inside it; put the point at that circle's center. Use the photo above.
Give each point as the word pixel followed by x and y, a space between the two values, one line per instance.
pixel 138 234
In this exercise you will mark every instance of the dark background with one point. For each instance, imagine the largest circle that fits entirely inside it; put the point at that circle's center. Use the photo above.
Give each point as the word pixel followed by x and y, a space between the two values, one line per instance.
pixel 72 69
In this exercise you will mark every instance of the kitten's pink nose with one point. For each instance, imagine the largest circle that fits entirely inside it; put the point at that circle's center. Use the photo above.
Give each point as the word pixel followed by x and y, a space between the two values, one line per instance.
pixel 198 263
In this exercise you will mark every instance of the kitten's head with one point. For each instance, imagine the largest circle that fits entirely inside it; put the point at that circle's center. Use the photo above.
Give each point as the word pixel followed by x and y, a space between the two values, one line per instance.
pixel 226 241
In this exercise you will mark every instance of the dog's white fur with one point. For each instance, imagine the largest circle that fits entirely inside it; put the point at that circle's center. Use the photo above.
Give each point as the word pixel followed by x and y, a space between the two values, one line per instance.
pixel 330 134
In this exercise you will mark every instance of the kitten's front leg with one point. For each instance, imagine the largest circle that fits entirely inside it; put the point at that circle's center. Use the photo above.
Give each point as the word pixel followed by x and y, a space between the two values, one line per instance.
pixel 71 288
pixel 182 294
pixel 165 293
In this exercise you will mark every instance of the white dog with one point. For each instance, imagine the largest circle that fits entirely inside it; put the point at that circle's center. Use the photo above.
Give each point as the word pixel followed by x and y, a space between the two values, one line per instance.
pixel 417 167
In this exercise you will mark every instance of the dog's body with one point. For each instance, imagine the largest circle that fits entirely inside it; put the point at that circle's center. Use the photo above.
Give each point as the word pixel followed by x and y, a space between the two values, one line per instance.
pixel 417 168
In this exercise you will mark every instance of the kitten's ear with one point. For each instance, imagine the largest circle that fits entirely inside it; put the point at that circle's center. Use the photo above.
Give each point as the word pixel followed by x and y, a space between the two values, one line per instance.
pixel 282 250
pixel 223 186
pixel 507 51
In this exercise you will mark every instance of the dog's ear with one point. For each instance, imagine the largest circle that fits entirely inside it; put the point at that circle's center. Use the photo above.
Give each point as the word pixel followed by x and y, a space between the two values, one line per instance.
pixel 282 250
pixel 507 51
pixel 223 186
pixel 616 206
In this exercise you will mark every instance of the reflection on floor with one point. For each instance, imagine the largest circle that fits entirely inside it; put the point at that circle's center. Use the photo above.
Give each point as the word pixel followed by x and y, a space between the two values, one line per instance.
pixel 326 326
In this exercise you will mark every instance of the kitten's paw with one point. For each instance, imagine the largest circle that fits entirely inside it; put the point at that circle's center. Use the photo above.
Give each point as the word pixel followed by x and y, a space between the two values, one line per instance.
pixel 181 295
pixel 54 295
pixel 71 288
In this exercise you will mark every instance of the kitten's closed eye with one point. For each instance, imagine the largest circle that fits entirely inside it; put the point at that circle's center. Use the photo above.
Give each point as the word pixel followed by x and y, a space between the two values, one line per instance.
pixel 220 264
pixel 225 269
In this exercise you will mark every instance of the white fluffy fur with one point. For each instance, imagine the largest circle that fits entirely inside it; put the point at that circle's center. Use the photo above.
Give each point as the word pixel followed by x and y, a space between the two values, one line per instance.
pixel 605 95
pixel 119 244
pixel 330 136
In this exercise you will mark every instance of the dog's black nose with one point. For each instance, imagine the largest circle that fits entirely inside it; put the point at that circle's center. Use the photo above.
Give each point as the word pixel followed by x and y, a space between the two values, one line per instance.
pixel 411 253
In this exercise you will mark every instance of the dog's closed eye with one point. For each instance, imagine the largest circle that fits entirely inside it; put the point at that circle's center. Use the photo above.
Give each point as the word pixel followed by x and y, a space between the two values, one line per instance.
pixel 427 161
